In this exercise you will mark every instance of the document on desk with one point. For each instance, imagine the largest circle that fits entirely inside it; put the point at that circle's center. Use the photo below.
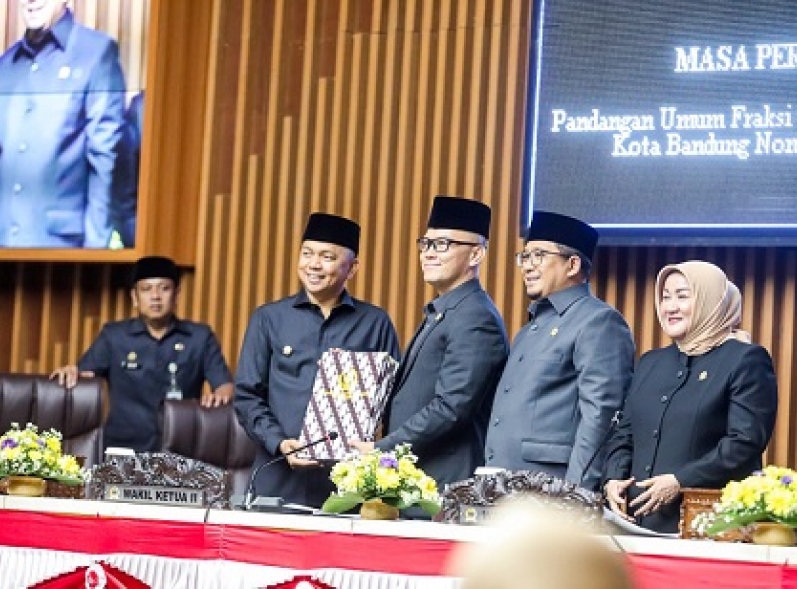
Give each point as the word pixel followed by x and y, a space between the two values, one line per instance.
pixel 631 528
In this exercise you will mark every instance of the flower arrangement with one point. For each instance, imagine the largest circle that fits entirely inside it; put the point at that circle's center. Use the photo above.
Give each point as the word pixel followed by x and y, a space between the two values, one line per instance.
pixel 389 476
pixel 33 453
pixel 768 495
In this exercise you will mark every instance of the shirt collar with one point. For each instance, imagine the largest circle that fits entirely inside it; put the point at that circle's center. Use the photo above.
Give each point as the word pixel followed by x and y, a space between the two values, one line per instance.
pixel 562 299
pixel 302 300
pixel 59 34
pixel 452 298
pixel 137 326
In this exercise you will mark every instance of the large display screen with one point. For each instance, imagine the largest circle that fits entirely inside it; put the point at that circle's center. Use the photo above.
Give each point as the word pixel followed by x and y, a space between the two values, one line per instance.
pixel 71 110
pixel 667 121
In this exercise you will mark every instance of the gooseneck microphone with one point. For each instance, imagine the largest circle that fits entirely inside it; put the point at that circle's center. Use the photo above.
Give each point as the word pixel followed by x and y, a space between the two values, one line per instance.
pixel 250 487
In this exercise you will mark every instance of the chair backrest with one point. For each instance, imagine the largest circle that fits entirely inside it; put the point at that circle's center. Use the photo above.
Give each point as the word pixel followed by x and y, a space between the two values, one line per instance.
pixel 77 413
pixel 212 435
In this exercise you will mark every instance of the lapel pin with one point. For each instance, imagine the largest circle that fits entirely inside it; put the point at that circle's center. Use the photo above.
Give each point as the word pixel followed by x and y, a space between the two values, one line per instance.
pixel 554 331
pixel 703 375
pixel 287 350
pixel 179 346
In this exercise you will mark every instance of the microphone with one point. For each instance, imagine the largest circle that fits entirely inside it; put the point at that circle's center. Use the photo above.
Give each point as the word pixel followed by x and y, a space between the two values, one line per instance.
pixel 618 415
pixel 249 498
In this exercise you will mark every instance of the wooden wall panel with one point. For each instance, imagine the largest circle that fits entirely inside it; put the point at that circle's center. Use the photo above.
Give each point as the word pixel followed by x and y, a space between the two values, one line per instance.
pixel 366 108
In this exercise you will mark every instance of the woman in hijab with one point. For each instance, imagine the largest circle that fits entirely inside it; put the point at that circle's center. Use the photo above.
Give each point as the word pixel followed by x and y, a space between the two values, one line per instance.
pixel 700 412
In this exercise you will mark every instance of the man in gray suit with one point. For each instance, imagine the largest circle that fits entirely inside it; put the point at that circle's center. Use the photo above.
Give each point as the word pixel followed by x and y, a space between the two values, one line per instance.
pixel 445 384
pixel 570 365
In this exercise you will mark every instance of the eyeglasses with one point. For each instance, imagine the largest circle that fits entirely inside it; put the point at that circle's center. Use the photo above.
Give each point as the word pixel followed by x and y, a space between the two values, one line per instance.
pixel 440 244
pixel 536 257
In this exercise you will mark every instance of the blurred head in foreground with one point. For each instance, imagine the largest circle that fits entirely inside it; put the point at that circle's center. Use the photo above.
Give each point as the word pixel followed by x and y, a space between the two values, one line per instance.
pixel 531 547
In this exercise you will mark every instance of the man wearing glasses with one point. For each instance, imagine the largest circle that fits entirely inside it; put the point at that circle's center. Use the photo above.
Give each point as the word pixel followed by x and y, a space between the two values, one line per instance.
pixel 445 384
pixel 570 365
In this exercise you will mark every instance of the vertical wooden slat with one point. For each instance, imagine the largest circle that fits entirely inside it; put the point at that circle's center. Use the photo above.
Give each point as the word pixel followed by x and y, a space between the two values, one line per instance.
pixel 405 219
pixel 782 450
pixel 45 335
pixel 231 263
pixel 385 196
pixel 282 264
pixel 456 94
pixel 374 45
pixel 17 319
pixel 74 346
pixel 337 89
pixel 250 241
pixel 508 146
pixel 351 60
pixel 306 122
pixel 278 226
pixel 320 154
pixel 477 70
pixel 202 252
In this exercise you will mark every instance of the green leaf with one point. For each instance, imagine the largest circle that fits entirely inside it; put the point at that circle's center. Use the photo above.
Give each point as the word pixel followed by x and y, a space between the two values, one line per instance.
pixel 789 521
pixel 430 507
pixel 341 503
pixel 69 481
pixel 723 523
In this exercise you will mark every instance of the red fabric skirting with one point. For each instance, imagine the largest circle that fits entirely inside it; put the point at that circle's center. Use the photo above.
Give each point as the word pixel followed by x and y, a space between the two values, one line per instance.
pixel 663 572
pixel 272 547
pixel 307 550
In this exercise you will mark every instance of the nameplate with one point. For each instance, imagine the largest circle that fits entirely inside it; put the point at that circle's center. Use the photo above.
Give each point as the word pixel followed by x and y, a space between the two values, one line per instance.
pixel 155 495
pixel 474 514
pixel 160 478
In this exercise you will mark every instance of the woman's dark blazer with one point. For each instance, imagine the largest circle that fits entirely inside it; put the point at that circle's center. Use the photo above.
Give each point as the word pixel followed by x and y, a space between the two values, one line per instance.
pixel 706 419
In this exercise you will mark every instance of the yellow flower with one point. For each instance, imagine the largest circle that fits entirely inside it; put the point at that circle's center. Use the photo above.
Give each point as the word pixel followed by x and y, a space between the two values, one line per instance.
pixel 428 486
pixel 53 444
pixel 68 464
pixel 387 478
pixel 37 453
pixel 407 469
pixel 12 453
pixel 780 502
pixel 392 476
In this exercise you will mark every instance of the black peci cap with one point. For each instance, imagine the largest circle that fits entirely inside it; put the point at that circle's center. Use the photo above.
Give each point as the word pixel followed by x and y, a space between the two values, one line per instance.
pixel 333 229
pixel 450 212
pixel 564 230
pixel 155 267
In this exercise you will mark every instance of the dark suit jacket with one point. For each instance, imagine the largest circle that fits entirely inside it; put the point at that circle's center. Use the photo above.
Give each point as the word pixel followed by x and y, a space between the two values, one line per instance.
pixel 61 114
pixel 706 419
pixel 565 378
pixel 443 394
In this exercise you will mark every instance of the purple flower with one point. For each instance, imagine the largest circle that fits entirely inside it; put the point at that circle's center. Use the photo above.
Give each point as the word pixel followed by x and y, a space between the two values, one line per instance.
pixel 786 480
pixel 758 473
pixel 388 462
pixel 8 443
pixel 40 442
